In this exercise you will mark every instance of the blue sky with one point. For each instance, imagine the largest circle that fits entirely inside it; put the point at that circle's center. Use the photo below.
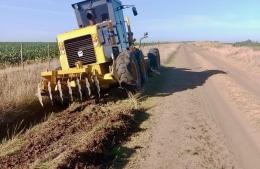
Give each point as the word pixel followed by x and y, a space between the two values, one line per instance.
pixel 165 20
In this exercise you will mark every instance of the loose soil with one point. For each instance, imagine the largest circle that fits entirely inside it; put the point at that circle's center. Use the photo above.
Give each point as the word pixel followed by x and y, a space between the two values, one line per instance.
pixel 76 138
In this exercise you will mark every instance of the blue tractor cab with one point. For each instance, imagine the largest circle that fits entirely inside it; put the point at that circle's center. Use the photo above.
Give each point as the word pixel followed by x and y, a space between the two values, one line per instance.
pixel 91 12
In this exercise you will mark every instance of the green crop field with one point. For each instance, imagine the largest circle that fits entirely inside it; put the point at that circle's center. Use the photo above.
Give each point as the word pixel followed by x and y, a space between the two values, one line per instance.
pixel 10 52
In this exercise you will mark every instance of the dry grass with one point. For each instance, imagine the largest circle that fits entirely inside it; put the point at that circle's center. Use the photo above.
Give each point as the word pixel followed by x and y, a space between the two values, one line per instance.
pixel 18 85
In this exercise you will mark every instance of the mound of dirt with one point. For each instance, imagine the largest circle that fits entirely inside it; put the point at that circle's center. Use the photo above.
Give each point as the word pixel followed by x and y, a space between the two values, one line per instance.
pixel 79 137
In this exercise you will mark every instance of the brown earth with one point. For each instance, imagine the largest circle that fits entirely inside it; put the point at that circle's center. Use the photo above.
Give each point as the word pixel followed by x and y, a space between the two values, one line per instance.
pixel 78 137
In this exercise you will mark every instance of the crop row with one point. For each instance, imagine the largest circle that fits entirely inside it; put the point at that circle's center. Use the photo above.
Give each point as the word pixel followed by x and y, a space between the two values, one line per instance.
pixel 15 53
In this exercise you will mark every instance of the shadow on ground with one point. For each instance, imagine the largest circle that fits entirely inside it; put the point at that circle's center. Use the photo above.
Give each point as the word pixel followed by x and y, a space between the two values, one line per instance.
pixel 172 80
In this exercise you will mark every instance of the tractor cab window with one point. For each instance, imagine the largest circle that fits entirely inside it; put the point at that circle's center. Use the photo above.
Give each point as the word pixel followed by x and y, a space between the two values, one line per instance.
pixel 97 14
pixel 92 12
pixel 91 18
pixel 105 17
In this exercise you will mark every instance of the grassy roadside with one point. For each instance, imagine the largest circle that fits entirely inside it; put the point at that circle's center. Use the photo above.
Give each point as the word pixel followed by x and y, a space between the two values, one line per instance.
pixel 19 85
pixel 19 107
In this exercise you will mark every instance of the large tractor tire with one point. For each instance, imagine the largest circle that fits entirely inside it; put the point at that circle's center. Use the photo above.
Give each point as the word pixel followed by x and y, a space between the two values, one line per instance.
pixel 154 57
pixel 127 71
pixel 142 65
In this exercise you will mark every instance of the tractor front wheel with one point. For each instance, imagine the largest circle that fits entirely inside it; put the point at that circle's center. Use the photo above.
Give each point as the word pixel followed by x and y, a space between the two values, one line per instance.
pixel 127 71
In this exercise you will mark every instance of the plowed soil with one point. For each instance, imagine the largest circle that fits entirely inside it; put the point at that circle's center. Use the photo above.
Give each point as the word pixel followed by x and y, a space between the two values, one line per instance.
pixel 75 138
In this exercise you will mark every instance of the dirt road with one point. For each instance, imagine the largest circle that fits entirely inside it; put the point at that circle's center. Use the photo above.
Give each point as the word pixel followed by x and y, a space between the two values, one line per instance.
pixel 205 113
pixel 202 112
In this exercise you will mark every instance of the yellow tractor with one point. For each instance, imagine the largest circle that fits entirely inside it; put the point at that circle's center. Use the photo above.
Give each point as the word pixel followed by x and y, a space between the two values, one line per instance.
pixel 97 55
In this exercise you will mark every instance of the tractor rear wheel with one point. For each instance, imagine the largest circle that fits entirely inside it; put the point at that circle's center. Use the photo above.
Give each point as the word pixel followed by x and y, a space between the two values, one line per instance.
pixel 154 57
pixel 127 71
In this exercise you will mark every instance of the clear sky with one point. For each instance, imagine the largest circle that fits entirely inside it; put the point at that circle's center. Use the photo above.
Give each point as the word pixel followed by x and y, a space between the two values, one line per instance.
pixel 165 20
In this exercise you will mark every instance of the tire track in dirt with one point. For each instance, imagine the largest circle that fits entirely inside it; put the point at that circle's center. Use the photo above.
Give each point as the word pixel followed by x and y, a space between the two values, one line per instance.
pixel 183 133
pixel 235 110
pixel 241 95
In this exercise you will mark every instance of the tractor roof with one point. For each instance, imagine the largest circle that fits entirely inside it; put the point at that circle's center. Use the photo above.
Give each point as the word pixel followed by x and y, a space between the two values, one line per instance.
pixel 87 1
